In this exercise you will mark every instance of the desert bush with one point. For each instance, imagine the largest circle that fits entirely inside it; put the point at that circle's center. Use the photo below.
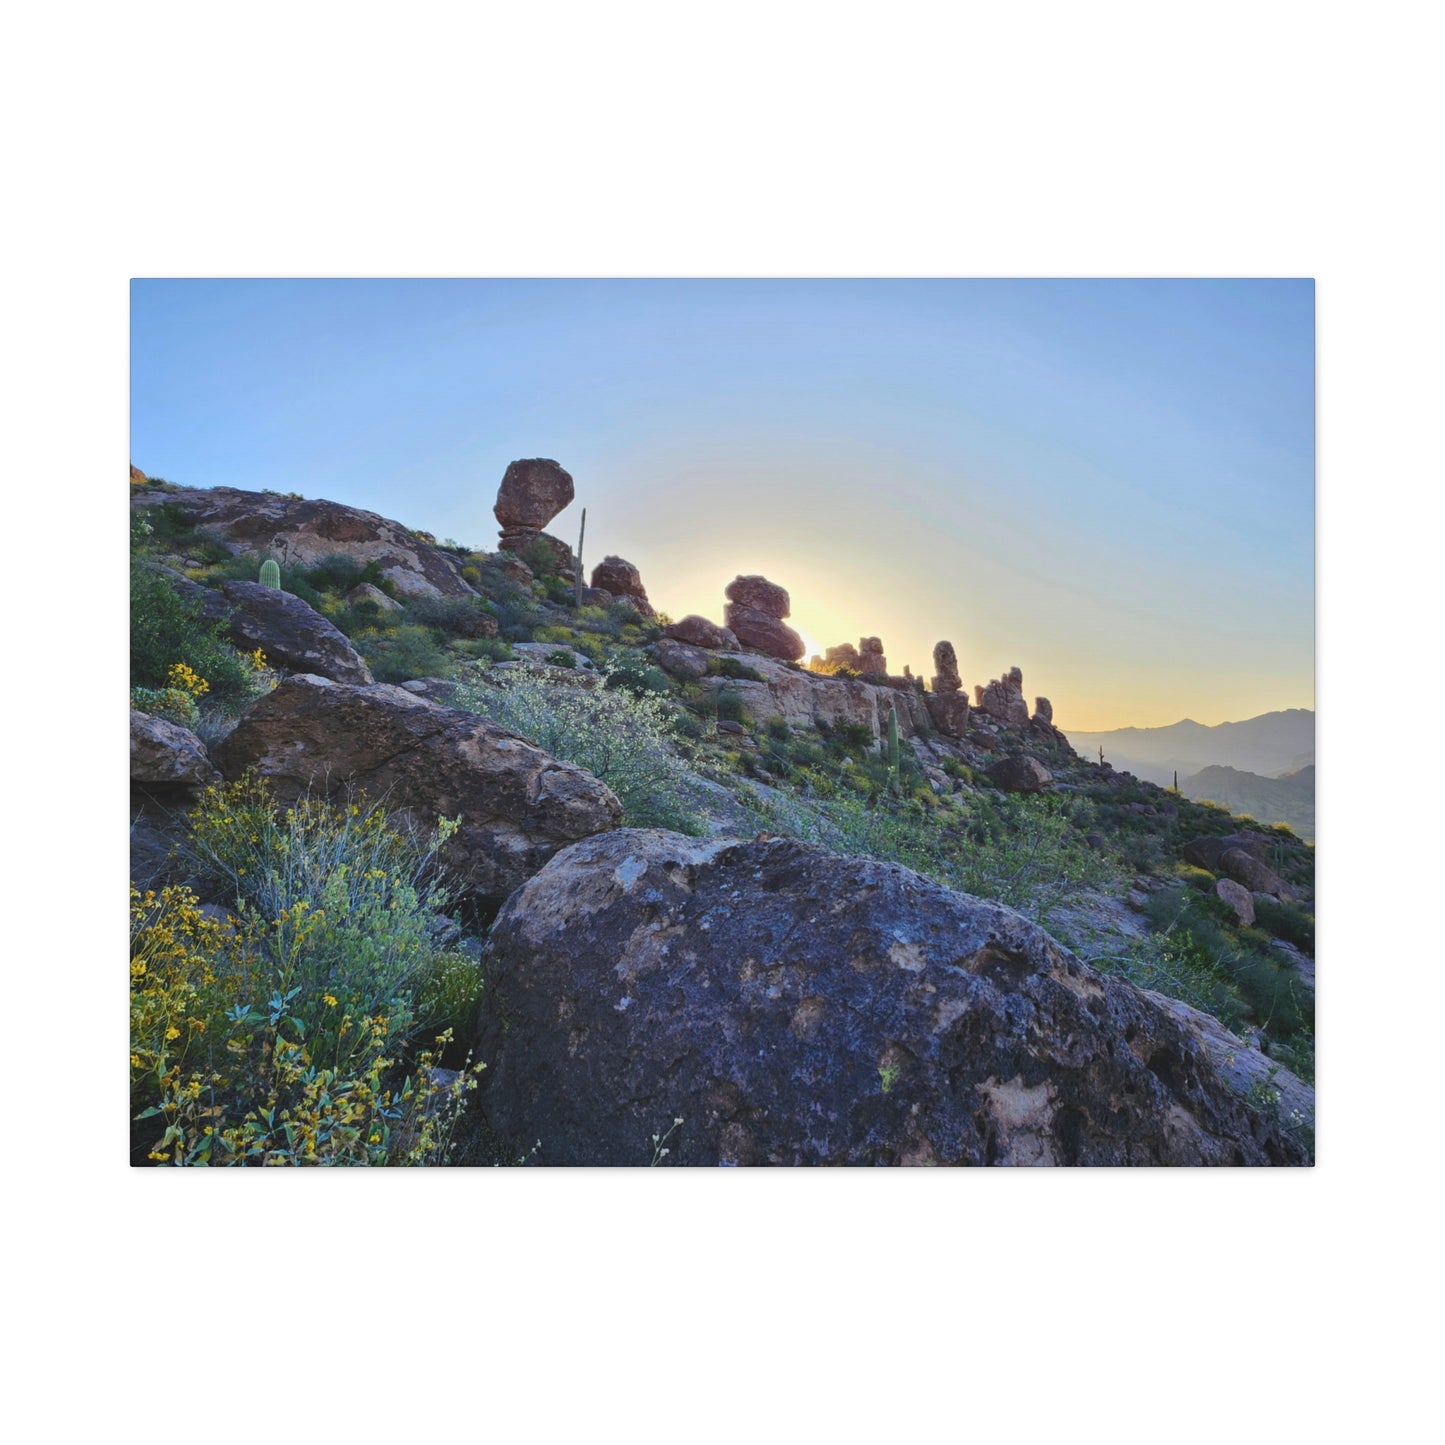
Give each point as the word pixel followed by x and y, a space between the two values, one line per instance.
pixel 731 667
pixel 1287 921
pixel 402 654
pixel 340 573
pixel 274 1037
pixel 167 628
pixel 625 739
pixel 457 616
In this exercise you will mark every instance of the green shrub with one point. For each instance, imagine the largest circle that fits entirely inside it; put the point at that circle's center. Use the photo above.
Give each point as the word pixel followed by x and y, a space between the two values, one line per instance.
pixel 1287 921
pixel 727 706
pixel 167 627
pixel 623 738
pixel 561 657
pixel 457 616
pixel 340 573
pixel 276 1038
pixel 402 654
pixel 731 667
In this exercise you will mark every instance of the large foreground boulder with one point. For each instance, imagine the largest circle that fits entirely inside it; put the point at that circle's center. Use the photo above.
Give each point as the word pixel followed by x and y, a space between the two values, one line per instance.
pixel 292 634
pixel 796 1007
pixel 517 804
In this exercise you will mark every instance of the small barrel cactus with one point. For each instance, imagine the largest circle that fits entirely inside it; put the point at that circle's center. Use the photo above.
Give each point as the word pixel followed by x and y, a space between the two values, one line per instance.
pixel 270 575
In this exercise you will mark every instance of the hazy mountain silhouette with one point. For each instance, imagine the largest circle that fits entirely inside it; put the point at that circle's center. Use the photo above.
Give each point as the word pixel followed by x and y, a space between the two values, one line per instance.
pixel 1268 746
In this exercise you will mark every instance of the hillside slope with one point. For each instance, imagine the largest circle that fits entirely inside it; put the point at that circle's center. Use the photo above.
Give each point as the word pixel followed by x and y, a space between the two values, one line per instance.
pixel 1289 798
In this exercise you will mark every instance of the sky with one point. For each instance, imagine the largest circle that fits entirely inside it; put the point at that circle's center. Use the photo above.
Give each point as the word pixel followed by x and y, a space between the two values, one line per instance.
pixel 1107 483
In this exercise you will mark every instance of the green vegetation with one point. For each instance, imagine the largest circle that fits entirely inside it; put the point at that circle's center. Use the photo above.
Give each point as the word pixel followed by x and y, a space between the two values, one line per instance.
pixel 270 574
pixel 625 738
pixel 289 1033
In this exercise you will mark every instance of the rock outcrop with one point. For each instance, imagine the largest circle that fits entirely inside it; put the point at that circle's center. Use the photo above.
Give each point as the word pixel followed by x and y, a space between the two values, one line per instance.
pixel 1043 711
pixel 945 668
pixel 680 659
pixel 948 712
pixel 300 533
pixel 517 804
pixel 1239 898
pixel 623 581
pixel 294 636
pixel 533 491
pixel 1241 856
pixel 699 632
pixel 365 592
pixel 871 661
pixel 1003 699
pixel 795 1007
pixel 161 752
pixel 1020 774
pixel 754 614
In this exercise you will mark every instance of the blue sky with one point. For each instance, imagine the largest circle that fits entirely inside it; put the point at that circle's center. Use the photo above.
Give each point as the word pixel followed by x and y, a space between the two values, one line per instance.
pixel 1108 483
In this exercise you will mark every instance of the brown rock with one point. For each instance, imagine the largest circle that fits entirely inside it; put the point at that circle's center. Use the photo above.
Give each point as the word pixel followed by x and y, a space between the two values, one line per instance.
pixel 300 533
pixel 622 579
pixel 948 711
pixel 1003 700
pixel 517 804
pixel 760 595
pixel 763 632
pixel 1043 711
pixel 1256 877
pixel 161 752
pixel 596 597
pixel 680 660
pixel 544 554
pixel 365 592
pixel 137 477
pixel 1239 898
pixel 945 663
pixel 795 1007
pixel 847 654
pixel 531 494
pixel 294 637
pixel 1206 852
pixel 1020 774
pixel 699 632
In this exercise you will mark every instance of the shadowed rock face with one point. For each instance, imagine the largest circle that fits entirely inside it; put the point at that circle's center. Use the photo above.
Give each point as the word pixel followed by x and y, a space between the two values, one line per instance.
pixel 301 533
pixel 294 636
pixel 517 804
pixel 1020 774
pixel 161 752
pixel 699 632
pixel 945 664
pixel 795 1007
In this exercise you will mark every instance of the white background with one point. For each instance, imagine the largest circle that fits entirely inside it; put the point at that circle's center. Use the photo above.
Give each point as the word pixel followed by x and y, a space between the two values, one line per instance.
pixel 1041 140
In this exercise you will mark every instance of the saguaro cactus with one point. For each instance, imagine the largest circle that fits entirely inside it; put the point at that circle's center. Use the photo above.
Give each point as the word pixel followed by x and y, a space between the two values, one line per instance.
pixel 580 535
pixel 270 575
pixel 893 765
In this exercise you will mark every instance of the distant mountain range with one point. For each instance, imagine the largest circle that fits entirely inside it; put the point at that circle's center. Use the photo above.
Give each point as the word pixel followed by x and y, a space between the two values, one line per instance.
pixel 1263 766
pixel 1274 743
pixel 1289 798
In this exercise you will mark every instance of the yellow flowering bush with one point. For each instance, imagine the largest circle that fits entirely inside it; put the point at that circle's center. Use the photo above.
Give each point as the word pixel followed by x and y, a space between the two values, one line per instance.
pixel 279 1035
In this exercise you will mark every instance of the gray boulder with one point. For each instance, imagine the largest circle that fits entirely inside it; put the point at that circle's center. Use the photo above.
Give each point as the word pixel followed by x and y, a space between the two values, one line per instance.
pixel 517 804
pixel 796 1007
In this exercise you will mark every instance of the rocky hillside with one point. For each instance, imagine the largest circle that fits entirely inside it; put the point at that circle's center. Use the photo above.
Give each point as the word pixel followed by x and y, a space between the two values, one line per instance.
pixel 402 809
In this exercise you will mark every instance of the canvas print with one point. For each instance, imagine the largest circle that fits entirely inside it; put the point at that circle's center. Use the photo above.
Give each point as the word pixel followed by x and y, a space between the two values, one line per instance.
pixel 681 723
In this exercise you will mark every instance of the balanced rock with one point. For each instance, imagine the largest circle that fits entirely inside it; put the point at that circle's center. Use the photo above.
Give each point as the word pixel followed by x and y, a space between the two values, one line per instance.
pixel 762 632
pixel 1020 774
pixel 759 594
pixel 622 580
pixel 517 804
pixel 294 636
pixel 795 1007
pixel 699 632
pixel 945 664
pixel 871 661
pixel 532 493
pixel 162 752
